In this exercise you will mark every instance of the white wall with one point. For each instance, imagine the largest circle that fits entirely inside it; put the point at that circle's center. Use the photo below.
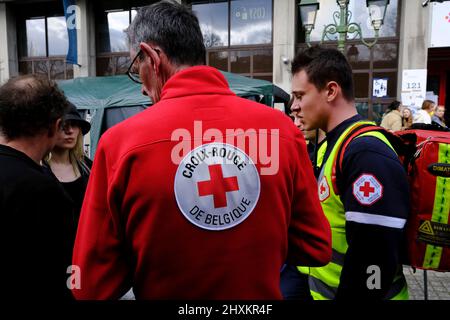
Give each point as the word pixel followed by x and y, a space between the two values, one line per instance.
pixel 85 41
pixel 284 25
pixel 4 59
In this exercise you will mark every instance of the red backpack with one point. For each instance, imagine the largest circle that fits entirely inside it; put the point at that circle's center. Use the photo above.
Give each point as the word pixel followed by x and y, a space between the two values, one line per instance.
pixel 426 157
pixel 428 227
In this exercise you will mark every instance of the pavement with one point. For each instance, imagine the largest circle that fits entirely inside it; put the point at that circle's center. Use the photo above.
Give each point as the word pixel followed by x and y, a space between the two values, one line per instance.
pixel 438 284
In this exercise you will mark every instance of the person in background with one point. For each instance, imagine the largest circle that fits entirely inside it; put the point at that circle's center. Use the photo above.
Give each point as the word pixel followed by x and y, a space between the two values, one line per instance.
pixel 36 214
pixel 424 115
pixel 407 118
pixel 67 160
pixel 438 116
pixel 392 119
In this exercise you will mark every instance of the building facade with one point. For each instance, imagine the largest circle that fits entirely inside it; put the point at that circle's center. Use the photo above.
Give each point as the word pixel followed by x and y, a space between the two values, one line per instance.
pixel 255 38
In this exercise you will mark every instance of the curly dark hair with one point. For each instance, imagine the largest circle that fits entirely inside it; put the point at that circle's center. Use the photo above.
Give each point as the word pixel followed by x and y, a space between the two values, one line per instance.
pixel 323 65
pixel 30 105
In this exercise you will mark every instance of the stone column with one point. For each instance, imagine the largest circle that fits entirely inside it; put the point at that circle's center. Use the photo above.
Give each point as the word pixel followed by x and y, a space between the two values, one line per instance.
pixel 284 26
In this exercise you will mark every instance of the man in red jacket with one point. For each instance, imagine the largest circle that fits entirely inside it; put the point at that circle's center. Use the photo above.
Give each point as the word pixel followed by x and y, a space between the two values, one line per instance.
pixel 202 196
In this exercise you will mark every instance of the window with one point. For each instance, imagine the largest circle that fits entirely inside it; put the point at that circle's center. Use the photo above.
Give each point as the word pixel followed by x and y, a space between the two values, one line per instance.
pixel 213 19
pixel 251 22
pixel 43 40
pixel 360 14
pixel 237 35
pixel 112 18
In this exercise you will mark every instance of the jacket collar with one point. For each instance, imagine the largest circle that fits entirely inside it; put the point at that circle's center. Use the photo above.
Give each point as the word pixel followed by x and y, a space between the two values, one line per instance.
pixel 11 152
pixel 197 80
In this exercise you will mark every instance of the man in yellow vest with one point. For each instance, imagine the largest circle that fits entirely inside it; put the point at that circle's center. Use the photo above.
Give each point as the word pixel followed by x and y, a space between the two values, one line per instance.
pixel 363 189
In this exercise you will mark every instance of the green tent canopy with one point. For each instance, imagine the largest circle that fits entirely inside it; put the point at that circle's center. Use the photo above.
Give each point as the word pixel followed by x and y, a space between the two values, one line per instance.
pixel 109 100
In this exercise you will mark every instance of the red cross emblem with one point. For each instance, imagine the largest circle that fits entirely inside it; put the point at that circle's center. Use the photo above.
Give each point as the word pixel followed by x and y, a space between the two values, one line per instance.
pixel 324 189
pixel 367 189
pixel 218 186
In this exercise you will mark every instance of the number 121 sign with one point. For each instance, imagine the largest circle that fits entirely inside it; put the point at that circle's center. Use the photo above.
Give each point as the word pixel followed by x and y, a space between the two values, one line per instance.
pixel 414 85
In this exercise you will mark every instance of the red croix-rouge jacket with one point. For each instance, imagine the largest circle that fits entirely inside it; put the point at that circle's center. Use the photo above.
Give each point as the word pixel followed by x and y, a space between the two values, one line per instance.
pixel 132 232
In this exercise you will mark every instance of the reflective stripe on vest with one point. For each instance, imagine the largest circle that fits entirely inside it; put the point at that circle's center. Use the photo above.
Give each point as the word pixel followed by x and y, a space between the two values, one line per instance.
pixel 441 208
pixel 324 281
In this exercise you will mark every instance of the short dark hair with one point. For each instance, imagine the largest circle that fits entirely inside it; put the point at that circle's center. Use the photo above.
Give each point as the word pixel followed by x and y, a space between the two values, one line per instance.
pixel 29 105
pixel 323 65
pixel 173 27
pixel 394 105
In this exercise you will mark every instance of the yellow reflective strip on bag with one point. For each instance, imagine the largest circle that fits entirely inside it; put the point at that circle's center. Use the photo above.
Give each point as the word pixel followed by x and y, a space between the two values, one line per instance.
pixel 441 209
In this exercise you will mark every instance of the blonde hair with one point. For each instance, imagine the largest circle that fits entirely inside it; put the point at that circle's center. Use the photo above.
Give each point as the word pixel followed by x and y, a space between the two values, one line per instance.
pixel 407 122
pixel 76 155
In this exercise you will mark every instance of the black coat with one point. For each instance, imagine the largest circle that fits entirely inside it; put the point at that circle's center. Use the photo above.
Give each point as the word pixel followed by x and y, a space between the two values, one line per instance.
pixel 36 230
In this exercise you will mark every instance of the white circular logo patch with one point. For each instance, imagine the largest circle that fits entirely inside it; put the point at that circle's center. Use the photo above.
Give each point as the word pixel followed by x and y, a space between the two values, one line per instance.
pixel 217 186
pixel 324 189
pixel 367 189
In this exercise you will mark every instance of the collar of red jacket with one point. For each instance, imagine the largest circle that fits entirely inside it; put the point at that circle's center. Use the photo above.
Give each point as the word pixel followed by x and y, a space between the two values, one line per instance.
pixel 194 81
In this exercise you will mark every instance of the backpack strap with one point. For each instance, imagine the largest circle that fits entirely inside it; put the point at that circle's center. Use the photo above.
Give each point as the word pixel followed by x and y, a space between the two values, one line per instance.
pixel 339 158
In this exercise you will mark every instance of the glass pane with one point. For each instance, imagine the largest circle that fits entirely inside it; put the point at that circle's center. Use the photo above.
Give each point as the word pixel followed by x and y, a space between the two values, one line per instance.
pixel 57 69
pixel 385 55
pixel 262 61
pixel 25 67
pixel 240 61
pixel 377 113
pixel 219 60
pixel 361 83
pixel 213 19
pixel 360 14
pixel 69 71
pixel 358 56
pixel 104 66
pixel 251 22
pixel 58 42
pixel 117 23
pixel 363 109
pixel 41 67
pixel 123 62
pixel 36 38
pixel 391 78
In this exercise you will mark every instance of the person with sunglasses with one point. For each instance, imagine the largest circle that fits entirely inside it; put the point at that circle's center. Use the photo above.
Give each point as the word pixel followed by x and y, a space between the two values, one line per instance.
pixel 67 160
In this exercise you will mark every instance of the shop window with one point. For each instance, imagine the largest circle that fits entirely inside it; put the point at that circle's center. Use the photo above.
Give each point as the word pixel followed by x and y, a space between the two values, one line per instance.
pixel 36 38
pixel 43 41
pixel 251 22
pixel 237 35
pixel 360 15
pixel 213 19
pixel 361 84
pixel 219 60
pixel 240 61
pixel 385 55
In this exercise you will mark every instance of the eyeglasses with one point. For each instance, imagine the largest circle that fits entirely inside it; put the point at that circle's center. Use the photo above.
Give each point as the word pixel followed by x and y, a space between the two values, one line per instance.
pixel 134 76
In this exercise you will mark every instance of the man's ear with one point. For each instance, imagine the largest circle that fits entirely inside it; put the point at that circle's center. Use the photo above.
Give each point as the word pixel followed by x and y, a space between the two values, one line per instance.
pixel 332 90
pixel 152 54
pixel 55 127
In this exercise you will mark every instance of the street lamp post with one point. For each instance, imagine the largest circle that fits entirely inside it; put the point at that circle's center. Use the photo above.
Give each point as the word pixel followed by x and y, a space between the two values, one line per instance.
pixel 342 25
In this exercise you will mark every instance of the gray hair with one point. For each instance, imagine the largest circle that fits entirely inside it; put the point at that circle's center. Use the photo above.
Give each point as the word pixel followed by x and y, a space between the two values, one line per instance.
pixel 173 27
